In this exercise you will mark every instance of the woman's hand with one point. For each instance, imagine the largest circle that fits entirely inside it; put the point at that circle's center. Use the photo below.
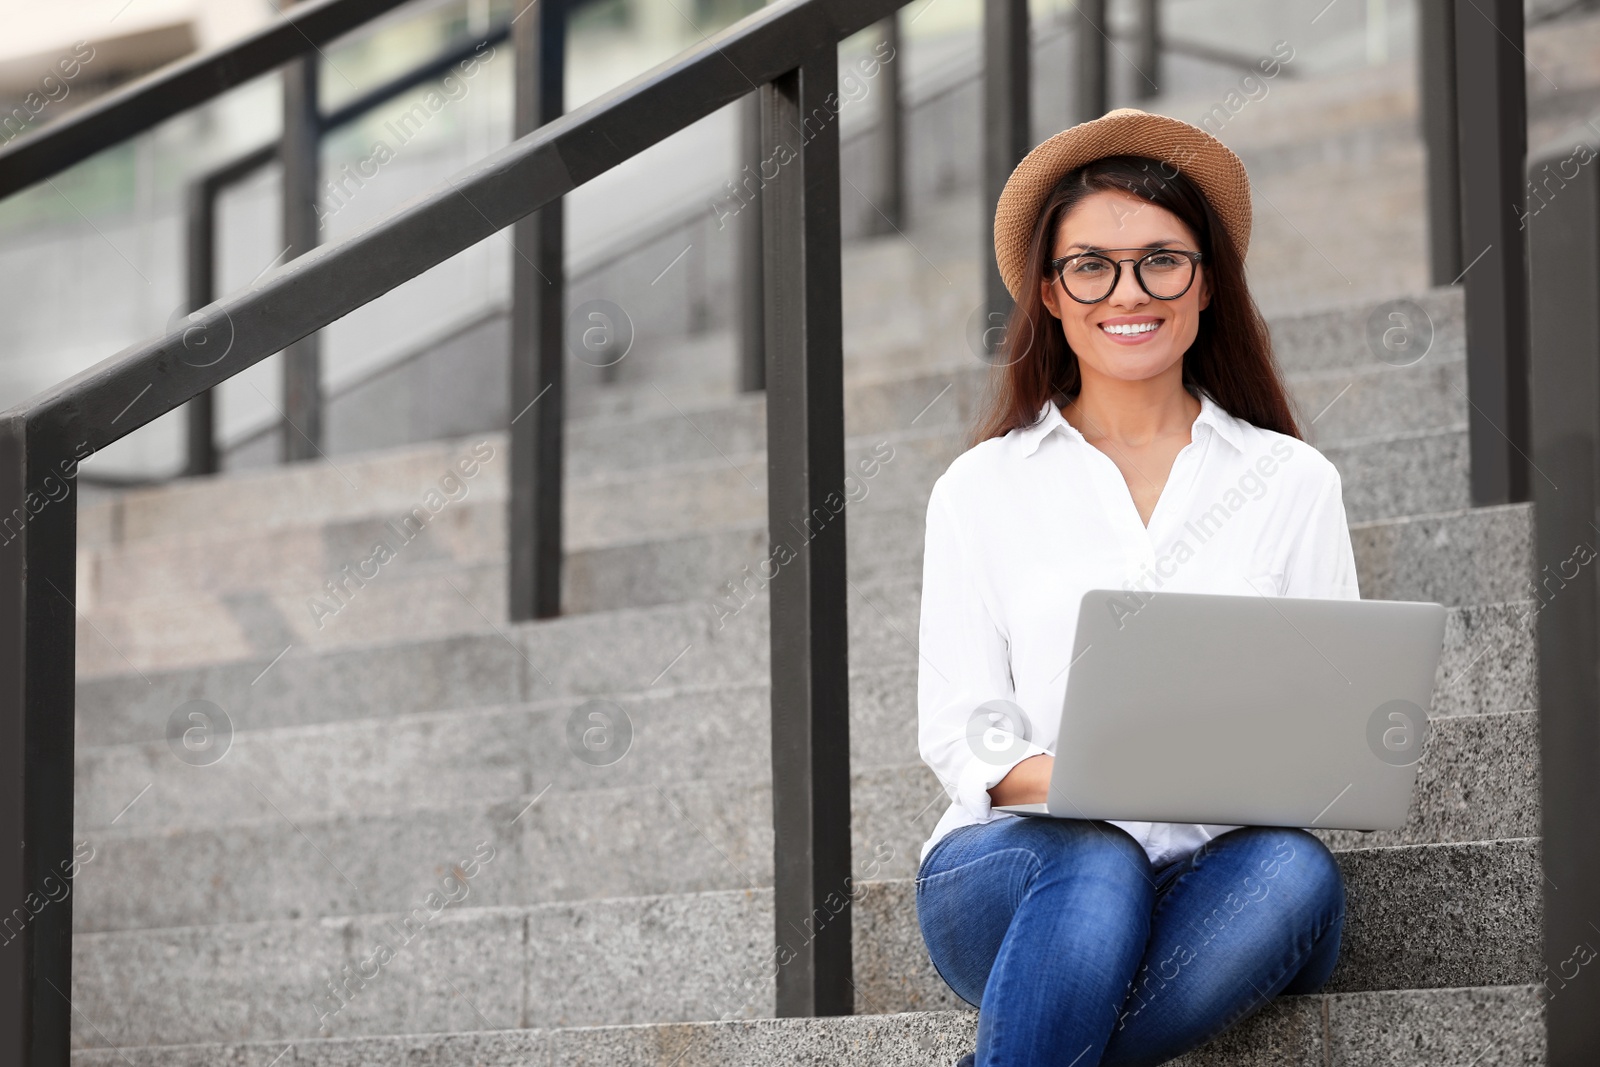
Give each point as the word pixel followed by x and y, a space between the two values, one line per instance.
pixel 1027 783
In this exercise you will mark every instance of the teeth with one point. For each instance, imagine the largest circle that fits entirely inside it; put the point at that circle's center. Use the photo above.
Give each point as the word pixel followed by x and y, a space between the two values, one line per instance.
pixel 1140 327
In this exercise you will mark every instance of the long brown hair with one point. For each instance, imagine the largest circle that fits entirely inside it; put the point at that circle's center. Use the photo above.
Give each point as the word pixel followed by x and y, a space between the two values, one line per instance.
pixel 1231 357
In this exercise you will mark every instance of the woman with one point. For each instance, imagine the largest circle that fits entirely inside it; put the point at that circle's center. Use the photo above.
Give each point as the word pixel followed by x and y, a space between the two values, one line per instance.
pixel 1139 437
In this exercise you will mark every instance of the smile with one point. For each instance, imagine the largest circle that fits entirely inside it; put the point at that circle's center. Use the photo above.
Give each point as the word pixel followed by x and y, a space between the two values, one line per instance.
pixel 1132 331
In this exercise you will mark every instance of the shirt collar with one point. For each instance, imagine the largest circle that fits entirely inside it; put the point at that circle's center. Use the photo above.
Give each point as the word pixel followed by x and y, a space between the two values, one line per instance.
pixel 1050 419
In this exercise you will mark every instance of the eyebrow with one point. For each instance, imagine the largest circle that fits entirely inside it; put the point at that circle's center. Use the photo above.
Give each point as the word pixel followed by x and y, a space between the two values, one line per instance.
pixel 1161 242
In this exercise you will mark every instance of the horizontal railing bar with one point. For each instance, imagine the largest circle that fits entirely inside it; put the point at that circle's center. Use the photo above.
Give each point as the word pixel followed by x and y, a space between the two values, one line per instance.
pixel 347 113
pixel 106 402
pixel 177 87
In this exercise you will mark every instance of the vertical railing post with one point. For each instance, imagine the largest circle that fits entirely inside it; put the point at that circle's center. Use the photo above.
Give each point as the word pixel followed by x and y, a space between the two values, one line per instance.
pixel 200 282
pixel 538 350
pixel 887 213
pixel 1436 48
pixel 805 466
pixel 752 328
pixel 1564 254
pixel 1148 54
pixel 1493 132
pixel 38 562
pixel 1092 97
pixel 1005 137
pixel 302 361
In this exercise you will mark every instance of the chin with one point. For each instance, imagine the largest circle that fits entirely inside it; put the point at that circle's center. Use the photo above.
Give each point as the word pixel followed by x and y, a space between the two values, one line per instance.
pixel 1146 366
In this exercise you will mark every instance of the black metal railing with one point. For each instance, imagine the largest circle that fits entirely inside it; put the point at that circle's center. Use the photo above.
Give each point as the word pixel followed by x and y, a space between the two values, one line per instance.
pixel 1523 239
pixel 787 52
pixel 1563 232
pixel 1474 124
pixel 888 179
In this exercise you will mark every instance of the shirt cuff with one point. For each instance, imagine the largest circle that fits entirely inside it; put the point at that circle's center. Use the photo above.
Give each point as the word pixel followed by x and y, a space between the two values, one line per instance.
pixel 979 776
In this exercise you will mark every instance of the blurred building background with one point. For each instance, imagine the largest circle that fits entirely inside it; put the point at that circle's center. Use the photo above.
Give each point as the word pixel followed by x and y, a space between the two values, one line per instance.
pixel 91 261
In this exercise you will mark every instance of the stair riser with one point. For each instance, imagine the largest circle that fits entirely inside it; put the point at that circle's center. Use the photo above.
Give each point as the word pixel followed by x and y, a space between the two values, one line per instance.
pixel 418 595
pixel 1488 665
pixel 1364 403
pixel 190 630
pixel 298 560
pixel 599 834
pixel 1469 912
pixel 450 758
pixel 1323 340
pixel 1397 558
pixel 1501 1025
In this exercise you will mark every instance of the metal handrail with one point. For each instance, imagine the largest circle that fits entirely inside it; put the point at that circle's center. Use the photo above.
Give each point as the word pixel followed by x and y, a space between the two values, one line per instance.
pixel 177 87
pixel 789 52
pixel 1563 227
pixel 1472 66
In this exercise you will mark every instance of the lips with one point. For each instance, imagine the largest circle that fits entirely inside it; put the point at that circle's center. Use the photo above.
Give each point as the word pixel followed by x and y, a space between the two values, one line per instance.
pixel 1130 330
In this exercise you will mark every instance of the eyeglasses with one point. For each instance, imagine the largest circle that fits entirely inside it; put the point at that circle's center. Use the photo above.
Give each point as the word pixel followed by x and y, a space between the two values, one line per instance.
pixel 1090 277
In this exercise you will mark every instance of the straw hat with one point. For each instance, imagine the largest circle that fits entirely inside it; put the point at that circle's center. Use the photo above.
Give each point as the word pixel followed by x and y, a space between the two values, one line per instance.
pixel 1202 158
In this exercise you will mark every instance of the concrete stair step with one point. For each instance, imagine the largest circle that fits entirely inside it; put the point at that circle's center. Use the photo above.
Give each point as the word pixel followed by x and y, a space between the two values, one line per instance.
pixel 1495 1026
pixel 1469 912
pixel 1487 665
pixel 453 759
pixel 1412 473
pixel 1336 405
pixel 452 578
pixel 338 820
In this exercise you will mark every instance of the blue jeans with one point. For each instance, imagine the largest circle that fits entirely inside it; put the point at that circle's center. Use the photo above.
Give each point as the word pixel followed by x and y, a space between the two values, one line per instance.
pixel 1077 952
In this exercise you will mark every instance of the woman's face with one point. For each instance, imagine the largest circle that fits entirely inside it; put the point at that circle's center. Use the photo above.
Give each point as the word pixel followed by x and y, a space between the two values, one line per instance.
pixel 1121 225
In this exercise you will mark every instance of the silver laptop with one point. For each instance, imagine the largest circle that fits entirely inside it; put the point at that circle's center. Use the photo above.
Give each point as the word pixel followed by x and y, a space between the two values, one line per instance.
pixel 1248 710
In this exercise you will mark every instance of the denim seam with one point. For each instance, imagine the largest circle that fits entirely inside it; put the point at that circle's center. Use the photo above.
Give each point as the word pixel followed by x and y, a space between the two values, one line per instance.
pixel 1250 1008
pixel 921 879
pixel 1298 960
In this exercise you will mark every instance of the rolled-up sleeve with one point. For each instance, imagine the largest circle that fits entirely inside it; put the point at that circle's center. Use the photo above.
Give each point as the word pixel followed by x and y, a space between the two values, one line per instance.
pixel 964 663
pixel 1322 561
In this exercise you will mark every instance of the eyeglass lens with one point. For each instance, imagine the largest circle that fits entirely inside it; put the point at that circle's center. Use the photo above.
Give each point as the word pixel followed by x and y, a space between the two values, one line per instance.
pixel 1091 276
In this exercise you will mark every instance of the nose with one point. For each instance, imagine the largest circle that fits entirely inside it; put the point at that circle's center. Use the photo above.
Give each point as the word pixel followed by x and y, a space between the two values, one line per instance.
pixel 1128 292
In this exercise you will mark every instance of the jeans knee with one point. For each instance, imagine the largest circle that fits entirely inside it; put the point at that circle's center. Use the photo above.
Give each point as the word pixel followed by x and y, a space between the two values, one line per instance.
pixel 1322 866
pixel 1297 861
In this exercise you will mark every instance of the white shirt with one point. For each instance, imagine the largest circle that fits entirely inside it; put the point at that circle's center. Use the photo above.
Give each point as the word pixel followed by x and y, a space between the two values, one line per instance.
pixel 1020 526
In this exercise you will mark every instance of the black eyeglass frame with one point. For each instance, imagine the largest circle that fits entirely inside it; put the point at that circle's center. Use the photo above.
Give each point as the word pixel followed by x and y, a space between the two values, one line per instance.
pixel 1053 267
